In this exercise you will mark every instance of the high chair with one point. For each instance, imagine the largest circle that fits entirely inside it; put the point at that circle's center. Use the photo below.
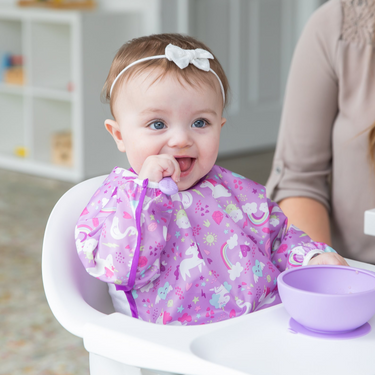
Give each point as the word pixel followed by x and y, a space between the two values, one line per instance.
pixel 258 343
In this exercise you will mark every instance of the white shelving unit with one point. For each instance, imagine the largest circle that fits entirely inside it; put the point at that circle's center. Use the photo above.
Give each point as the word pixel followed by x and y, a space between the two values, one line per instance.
pixel 67 55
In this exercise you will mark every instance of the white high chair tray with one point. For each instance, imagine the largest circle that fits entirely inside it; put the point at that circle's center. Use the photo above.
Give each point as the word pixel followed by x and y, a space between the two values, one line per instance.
pixel 257 344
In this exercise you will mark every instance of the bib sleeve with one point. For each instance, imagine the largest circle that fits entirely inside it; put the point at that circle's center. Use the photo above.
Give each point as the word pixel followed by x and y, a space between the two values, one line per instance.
pixel 123 218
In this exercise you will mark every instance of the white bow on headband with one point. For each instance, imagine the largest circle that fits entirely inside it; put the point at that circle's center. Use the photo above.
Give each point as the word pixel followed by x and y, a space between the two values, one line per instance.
pixel 182 58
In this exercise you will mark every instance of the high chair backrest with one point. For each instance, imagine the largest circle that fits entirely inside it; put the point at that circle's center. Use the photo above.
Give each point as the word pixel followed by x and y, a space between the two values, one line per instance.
pixel 68 287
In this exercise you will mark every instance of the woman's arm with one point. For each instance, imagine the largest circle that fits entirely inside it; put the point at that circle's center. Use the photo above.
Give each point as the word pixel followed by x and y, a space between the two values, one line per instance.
pixel 302 166
pixel 315 224
pixel 308 215
pixel 293 247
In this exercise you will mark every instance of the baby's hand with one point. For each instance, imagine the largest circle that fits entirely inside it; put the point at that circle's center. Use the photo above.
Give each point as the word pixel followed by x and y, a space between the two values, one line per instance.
pixel 156 167
pixel 329 259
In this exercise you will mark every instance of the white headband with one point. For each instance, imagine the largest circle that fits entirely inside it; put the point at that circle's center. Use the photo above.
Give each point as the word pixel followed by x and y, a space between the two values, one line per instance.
pixel 182 58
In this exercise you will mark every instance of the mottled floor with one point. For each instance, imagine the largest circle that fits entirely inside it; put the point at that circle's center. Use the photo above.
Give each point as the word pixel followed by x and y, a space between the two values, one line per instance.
pixel 31 340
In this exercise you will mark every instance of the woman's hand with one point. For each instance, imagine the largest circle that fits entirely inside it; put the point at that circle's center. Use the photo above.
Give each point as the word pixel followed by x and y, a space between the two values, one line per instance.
pixel 156 167
pixel 328 259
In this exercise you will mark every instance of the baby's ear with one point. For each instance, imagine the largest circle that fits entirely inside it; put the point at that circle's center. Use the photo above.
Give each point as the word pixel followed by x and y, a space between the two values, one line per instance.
pixel 114 129
pixel 223 121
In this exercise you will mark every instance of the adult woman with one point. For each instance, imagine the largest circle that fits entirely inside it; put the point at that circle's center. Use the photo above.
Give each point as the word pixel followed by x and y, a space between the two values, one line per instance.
pixel 324 165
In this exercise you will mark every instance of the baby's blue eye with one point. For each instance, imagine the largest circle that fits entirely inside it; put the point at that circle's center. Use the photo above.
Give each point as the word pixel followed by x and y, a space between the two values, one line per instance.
pixel 157 125
pixel 199 124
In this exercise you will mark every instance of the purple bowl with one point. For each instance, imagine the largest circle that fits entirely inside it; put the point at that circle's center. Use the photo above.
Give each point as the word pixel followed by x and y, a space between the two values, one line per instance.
pixel 328 299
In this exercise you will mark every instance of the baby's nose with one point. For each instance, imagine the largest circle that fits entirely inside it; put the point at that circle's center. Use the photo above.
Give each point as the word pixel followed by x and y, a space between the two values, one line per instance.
pixel 180 139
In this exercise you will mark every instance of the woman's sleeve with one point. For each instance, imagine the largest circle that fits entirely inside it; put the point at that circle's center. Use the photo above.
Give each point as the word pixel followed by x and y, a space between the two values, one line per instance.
pixel 302 161
pixel 290 247
pixel 123 219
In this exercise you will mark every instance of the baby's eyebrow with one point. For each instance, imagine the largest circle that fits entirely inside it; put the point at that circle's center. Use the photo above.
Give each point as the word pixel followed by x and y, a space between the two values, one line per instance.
pixel 153 110
pixel 206 111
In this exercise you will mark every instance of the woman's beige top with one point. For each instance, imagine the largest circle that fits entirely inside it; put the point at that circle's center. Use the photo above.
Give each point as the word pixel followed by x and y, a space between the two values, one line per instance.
pixel 329 104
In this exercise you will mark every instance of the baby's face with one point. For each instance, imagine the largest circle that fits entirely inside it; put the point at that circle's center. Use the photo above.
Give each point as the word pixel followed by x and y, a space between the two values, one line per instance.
pixel 167 117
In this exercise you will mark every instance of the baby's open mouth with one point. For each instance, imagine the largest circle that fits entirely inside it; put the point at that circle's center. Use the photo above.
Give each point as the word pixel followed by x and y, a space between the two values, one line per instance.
pixel 185 163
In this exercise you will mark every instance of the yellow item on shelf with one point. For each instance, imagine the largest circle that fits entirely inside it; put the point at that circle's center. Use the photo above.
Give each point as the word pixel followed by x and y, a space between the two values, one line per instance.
pixel 14 75
pixel 21 151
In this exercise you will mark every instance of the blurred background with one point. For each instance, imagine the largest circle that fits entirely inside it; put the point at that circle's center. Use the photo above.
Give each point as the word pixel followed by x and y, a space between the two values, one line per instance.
pixel 55 56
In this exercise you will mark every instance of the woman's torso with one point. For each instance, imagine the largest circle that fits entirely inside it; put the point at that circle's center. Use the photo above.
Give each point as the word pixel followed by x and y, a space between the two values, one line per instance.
pixel 353 177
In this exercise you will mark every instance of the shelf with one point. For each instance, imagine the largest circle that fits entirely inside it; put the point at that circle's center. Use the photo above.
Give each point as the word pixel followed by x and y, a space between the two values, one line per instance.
pixel 12 89
pixel 51 55
pixel 55 94
pixel 11 123
pixel 10 36
pixel 49 118
pixel 54 121
pixel 40 168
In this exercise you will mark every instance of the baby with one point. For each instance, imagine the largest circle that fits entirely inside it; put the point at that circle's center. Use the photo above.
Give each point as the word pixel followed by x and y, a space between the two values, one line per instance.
pixel 213 250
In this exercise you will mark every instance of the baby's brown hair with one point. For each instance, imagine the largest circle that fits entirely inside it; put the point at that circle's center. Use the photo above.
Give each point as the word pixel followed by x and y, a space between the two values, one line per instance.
pixel 154 45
